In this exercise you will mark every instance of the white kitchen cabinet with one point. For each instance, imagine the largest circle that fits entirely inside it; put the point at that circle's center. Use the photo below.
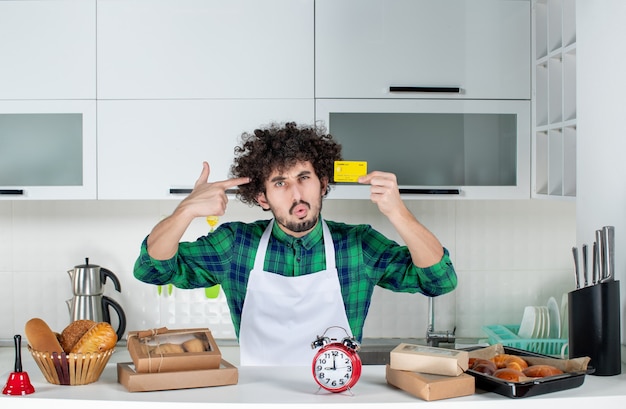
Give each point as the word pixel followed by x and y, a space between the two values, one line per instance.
pixel 438 149
pixel 47 149
pixel 149 149
pixel 166 49
pixel 481 47
pixel 48 49
pixel 554 99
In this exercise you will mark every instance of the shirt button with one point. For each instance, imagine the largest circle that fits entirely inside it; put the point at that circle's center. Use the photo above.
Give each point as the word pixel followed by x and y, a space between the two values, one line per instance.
pixel 298 259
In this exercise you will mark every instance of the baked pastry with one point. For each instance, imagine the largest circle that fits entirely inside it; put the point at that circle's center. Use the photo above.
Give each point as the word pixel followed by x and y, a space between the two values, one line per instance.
pixel 487 368
pixel 540 371
pixel 40 337
pixel 100 337
pixel 499 360
pixel 167 348
pixel 510 361
pixel 508 374
pixel 74 332
pixel 483 366
pixel 515 362
pixel 194 345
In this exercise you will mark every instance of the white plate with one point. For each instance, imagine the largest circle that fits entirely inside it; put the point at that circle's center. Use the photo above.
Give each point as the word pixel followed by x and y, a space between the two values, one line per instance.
pixel 564 316
pixel 527 326
pixel 555 319
pixel 538 330
pixel 543 323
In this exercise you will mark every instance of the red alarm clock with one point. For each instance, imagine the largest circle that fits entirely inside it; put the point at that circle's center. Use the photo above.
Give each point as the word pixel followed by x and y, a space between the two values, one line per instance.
pixel 337 365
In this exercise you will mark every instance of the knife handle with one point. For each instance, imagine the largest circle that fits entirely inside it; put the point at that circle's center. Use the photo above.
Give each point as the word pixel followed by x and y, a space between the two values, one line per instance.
pixel 601 261
pixel 594 264
pixel 585 274
pixel 576 273
pixel 608 235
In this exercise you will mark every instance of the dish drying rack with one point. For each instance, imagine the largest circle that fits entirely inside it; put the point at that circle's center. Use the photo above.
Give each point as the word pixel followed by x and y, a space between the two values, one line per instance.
pixel 507 336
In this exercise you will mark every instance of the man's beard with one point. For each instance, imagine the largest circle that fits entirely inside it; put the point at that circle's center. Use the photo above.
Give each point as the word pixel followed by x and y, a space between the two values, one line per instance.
pixel 300 225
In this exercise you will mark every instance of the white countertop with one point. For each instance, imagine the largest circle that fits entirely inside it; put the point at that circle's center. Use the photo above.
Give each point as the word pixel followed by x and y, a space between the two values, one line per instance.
pixel 268 386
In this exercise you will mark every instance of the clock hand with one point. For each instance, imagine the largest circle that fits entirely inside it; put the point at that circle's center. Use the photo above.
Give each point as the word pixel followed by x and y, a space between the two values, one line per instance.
pixel 334 367
pixel 329 368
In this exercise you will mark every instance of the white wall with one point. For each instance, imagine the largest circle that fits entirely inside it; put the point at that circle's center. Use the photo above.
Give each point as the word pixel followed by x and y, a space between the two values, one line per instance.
pixel 601 118
pixel 508 254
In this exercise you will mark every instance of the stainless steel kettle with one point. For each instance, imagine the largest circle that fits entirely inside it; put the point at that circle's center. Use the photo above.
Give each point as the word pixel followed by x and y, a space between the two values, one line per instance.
pixel 89 301
pixel 96 308
pixel 89 279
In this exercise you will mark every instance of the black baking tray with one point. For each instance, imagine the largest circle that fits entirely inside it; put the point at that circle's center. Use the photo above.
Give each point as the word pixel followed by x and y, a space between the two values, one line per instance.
pixel 525 389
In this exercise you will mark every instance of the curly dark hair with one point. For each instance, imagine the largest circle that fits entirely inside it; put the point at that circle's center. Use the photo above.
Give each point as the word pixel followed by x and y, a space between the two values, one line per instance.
pixel 279 147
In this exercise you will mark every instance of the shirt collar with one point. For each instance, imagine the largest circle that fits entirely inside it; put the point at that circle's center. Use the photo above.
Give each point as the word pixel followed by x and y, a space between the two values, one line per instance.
pixel 307 241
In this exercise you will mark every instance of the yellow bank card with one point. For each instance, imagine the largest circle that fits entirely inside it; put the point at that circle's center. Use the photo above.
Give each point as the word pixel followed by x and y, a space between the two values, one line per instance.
pixel 349 170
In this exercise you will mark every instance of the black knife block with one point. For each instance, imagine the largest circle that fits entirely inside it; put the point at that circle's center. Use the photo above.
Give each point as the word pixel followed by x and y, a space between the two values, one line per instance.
pixel 594 326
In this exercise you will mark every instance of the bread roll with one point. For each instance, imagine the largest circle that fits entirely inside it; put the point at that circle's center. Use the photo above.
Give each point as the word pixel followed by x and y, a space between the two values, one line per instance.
pixel 167 348
pixel 101 337
pixel 483 366
pixel 539 371
pixel 74 332
pixel 515 362
pixel 194 345
pixel 40 337
pixel 508 374
pixel 499 360
pixel 509 360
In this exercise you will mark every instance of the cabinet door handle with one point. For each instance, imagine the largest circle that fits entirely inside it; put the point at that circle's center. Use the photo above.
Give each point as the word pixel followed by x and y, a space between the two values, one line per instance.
pixel 11 192
pixel 449 90
pixel 430 191
pixel 177 191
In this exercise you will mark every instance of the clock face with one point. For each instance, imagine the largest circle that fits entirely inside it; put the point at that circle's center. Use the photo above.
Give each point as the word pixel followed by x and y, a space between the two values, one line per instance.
pixel 336 368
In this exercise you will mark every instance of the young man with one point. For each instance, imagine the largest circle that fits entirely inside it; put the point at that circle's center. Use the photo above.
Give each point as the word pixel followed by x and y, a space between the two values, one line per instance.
pixel 290 278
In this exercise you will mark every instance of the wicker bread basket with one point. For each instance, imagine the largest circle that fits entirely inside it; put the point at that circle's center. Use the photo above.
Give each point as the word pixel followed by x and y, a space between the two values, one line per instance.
pixel 71 369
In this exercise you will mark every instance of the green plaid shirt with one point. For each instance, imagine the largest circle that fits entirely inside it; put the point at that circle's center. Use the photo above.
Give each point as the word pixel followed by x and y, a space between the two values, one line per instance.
pixel 365 258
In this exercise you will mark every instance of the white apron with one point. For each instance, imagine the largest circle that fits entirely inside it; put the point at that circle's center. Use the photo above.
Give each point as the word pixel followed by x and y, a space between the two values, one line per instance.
pixel 282 316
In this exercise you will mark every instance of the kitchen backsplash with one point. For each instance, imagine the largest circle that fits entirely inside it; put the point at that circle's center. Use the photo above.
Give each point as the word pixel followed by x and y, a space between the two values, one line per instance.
pixel 508 254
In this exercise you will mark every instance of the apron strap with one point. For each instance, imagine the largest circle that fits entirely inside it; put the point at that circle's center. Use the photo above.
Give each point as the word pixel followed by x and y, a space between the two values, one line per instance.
pixel 259 259
pixel 329 247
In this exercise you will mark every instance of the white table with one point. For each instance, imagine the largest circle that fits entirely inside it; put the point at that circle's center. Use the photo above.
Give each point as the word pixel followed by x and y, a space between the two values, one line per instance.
pixel 293 387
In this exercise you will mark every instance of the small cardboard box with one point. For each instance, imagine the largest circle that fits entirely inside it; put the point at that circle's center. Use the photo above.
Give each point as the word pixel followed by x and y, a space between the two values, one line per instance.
pixel 134 381
pixel 423 359
pixel 431 387
pixel 164 350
